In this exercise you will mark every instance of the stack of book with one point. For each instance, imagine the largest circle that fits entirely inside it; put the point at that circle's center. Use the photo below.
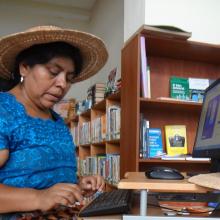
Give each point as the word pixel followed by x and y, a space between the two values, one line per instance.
pixel 96 93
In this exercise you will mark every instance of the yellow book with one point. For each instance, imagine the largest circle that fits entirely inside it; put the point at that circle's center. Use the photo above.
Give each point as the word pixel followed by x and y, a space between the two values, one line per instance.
pixel 176 142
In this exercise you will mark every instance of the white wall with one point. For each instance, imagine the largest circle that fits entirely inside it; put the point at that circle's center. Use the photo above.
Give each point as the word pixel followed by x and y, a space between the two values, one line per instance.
pixel 20 15
pixel 134 16
pixel 107 23
pixel 201 17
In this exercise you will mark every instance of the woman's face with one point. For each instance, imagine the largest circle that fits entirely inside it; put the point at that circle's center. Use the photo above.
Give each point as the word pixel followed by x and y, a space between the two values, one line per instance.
pixel 46 84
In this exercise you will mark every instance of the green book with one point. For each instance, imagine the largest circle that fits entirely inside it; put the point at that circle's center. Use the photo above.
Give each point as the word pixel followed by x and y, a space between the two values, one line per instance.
pixel 179 88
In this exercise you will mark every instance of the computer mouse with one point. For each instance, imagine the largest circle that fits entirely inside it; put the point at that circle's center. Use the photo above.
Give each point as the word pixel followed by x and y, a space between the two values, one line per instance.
pixel 167 173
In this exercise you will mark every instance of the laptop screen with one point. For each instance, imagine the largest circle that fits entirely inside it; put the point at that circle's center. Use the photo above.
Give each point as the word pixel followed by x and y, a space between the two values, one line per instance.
pixel 207 142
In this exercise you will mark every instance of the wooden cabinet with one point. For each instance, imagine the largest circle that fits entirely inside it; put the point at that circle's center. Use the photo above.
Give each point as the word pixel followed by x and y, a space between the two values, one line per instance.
pixel 166 57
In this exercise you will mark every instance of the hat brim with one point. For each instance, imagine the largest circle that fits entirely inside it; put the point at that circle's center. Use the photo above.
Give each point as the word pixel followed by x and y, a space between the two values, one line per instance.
pixel 92 48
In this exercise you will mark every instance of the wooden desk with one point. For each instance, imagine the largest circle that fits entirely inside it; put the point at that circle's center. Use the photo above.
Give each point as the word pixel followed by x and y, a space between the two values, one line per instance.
pixel 137 180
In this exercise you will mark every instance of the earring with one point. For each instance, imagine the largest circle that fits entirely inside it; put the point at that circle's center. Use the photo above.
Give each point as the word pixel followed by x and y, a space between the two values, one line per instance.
pixel 22 79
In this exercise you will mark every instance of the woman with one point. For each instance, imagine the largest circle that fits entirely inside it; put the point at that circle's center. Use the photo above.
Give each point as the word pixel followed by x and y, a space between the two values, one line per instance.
pixel 37 156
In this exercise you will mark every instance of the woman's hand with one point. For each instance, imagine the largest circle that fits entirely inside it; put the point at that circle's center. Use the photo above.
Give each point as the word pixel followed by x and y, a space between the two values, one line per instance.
pixel 91 184
pixel 61 193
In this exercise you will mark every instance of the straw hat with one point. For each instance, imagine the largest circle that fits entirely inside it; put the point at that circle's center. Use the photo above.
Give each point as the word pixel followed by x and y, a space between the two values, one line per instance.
pixel 92 48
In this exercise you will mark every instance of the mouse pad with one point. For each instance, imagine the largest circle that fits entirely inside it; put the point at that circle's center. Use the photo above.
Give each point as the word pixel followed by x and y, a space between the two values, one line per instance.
pixel 210 180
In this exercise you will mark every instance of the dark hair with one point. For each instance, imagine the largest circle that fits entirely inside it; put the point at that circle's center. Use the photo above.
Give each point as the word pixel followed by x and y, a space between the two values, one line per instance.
pixel 6 85
pixel 43 53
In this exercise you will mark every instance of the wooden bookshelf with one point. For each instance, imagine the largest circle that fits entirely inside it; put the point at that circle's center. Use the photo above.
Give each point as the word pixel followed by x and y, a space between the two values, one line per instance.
pixel 166 57
pixel 104 145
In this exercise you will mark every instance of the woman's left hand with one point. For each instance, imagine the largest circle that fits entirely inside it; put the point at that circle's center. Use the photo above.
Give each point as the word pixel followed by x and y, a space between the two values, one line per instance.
pixel 91 184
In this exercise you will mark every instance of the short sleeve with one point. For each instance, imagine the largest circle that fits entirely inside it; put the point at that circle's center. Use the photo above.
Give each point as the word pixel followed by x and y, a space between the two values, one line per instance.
pixel 4 129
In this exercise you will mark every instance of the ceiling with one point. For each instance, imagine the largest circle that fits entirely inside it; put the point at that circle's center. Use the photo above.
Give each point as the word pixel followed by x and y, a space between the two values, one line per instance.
pixel 79 4
pixel 69 9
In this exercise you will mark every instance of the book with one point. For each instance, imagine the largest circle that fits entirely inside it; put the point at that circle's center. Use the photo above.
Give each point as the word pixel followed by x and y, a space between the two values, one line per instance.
pixel 145 71
pixel 197 159
pixel 184 157
pixel 155 144
pixel 103 127
pixel 197 87
pixel 141 125
pixel 175 100
pixel 148 82
pixel 179 88
pixel 167 31
pixel 113 122
pixel 176 141
pixel 143 148
pixel 192 89
pixel 175 157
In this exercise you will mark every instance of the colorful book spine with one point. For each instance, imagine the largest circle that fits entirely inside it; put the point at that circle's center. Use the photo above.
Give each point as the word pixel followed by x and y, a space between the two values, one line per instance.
pixel 107 166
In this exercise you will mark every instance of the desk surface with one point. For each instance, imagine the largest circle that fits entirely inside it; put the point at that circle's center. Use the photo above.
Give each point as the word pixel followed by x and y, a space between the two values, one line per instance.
pixel 137 180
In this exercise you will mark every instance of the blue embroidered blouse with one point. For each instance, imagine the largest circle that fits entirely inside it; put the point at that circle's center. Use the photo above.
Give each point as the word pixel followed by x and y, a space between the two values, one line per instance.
pixel 41 151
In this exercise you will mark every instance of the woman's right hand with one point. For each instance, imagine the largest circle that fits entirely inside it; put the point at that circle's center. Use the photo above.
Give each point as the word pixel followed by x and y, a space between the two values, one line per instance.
pixel 59 194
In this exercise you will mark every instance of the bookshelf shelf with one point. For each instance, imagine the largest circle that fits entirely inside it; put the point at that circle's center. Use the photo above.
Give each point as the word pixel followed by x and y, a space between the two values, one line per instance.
pixel 175 105
pixel 85 145
pixel 115 96
pixel 100 105
pixel 99 143
pixel 76 118
pixel 116 141
pixel 166 57
pixel 86 113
